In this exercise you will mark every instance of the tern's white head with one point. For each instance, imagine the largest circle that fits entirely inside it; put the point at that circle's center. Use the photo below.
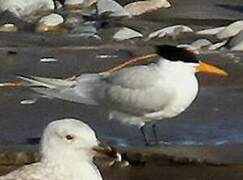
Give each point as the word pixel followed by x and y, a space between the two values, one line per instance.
pixel 68 138
pixel 182 61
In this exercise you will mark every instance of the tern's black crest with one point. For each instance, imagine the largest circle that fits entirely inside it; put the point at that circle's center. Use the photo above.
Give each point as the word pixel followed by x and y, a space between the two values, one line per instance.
pixel 174 53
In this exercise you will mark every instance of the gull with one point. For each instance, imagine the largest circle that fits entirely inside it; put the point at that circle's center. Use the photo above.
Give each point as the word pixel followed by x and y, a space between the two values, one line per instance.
pixel 138 95
pixel 67 150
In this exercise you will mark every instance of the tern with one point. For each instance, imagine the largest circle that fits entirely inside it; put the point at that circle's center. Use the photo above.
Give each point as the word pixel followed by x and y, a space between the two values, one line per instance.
pixel 137 95
pixel 67 150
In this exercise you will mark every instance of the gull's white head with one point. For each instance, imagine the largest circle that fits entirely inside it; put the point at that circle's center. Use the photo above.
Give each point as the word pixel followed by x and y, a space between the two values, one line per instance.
pixel 182 61
pixel 68 138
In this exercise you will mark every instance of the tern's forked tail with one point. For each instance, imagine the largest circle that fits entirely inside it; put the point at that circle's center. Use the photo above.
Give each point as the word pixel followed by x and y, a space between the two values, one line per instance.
pixel 78 90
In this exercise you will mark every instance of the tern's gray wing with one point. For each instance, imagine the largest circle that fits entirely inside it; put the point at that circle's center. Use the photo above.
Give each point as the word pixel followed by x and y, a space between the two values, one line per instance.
pixel 137 77
pixel 137 90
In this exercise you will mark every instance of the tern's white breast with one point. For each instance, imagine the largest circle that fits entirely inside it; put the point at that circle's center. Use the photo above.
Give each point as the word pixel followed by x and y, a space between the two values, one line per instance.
pixel 182 82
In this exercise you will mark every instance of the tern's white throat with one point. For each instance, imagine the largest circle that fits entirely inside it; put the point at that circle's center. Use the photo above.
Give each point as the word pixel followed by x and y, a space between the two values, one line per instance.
pixel 177 68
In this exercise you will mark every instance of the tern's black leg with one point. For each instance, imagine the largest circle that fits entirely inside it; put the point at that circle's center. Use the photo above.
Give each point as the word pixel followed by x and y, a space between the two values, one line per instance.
pixel 142 129
pixel 156 137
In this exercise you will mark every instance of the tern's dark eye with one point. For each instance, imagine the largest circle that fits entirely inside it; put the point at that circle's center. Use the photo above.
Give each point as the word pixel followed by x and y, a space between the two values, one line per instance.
pixel 69 137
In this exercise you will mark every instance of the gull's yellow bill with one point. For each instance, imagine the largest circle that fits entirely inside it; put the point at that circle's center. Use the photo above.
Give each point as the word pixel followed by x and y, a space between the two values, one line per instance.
pixel 207 68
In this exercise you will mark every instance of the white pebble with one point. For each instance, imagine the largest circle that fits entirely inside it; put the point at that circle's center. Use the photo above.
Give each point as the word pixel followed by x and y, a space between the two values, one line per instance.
pixel 22 8
pixel 231 30
pixel 52 20
pixel 8 28
pixel 170 31
pixel 238 47
pixel 58 5
pixel 201 43
pixel 79 3
pixel 106 56
pixel 125 164
pixel 236 43
pixel 126 33
pixel 217 45
pixel 141 7
pixel 74 2
pixel 211 31
pixel 112 7
pixel 28 101
pixel 48 60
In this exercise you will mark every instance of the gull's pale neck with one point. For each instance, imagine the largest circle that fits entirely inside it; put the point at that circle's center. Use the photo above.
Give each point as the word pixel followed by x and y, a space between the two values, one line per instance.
pixel 59 155
pixel 70 165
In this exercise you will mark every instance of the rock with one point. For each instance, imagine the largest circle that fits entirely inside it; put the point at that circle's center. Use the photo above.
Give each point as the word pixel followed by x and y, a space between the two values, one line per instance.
pixel 8 28
pixel 141 7
pixel 236 43
pixel 201 43
pixel 24 8
pixel 238 47
pixel 79 3
pixel 48 60
pixel 73 2
pixel 86 30
pixel 197 45
pixel 111 8
pixel 58 4
pixel 231 30
pixel 51 22
pixel 126 33
pixel 204 44
pixel 73 21
pixel 217 45
pixel 211 31
pixel 171 31
pixel 28 101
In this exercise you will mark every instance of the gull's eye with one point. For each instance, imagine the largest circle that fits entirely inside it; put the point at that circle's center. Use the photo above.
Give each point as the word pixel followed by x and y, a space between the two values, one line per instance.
pixel 69 137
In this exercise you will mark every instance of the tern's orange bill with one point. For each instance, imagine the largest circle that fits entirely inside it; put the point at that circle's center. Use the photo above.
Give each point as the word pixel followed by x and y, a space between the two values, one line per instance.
pixel 207 68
